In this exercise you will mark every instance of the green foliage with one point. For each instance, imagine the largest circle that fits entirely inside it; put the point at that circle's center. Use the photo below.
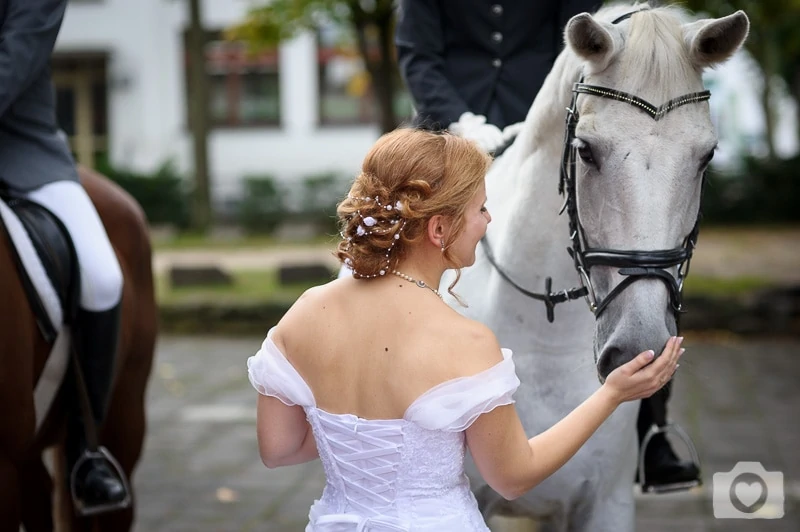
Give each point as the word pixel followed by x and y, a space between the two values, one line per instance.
pixel 773 29
pixel 763 192
pixel 162 194
pixel 262 208
pixel 321 194
pixel 266 25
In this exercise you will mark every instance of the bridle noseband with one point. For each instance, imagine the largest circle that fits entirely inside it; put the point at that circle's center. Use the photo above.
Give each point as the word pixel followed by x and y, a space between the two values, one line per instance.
pixel 633 264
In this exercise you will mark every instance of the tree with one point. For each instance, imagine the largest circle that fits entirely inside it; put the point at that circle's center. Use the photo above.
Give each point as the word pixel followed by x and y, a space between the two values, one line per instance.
pixel 371 21
pixel 201 213
pixel 774 44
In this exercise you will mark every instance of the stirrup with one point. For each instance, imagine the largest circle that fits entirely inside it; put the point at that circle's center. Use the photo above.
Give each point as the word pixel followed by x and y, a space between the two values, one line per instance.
pixel 674 486
pixel 102 454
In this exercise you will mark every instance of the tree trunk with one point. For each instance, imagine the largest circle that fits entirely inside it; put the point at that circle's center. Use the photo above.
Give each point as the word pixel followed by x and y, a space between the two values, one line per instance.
pixel 769 70
pixel 198 118
pixel 385 90
pixel 794 87
pixel 381 71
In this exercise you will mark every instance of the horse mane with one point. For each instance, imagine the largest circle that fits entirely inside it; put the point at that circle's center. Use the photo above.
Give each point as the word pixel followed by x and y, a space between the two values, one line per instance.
pixel 655 45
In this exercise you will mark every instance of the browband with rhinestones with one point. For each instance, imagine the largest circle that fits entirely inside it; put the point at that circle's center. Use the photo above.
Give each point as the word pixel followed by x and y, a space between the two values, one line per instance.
pixel 656 113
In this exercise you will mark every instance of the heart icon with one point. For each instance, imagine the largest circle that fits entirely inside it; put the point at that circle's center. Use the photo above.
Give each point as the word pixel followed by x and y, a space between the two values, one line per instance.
pixel 748 494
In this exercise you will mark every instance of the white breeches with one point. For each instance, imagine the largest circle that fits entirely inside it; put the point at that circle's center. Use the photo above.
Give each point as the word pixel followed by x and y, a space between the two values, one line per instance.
pixel 101 277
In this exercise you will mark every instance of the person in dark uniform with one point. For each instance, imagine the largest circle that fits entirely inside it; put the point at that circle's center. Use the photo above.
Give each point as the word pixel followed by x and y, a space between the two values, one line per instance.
pixel 36 163
pixel 474 67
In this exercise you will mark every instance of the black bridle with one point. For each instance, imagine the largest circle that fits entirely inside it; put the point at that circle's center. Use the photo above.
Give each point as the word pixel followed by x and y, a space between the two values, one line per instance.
pixel 633 264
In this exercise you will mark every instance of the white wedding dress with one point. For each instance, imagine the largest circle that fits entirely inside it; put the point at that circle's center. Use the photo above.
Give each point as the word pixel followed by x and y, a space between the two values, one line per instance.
pixel 394 475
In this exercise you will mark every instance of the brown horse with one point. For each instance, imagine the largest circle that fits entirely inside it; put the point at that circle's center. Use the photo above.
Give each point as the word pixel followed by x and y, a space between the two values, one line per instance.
pixel 26 486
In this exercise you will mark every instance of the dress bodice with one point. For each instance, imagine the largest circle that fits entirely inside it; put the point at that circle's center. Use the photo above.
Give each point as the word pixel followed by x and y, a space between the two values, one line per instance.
pixel 392 474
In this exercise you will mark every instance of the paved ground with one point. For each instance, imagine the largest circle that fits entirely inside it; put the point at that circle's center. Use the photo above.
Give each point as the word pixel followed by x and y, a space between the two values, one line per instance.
pixel 201 472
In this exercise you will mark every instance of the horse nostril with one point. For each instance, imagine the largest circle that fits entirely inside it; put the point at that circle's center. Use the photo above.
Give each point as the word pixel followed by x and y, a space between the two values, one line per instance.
pixel 610 359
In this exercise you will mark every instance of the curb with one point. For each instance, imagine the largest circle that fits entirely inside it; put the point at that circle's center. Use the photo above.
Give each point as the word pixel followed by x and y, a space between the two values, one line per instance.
pixel 773 312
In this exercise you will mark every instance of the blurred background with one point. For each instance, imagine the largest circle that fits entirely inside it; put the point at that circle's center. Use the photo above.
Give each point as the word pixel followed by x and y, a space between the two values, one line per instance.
pixel 239 124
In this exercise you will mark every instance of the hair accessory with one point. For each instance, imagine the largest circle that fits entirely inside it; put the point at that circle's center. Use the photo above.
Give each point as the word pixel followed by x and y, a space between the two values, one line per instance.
pixel 360 231
pixel 370 225
pixel 418 282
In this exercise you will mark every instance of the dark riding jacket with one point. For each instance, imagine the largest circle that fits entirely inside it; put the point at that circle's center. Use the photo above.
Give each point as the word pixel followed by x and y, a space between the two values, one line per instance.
pixel 32 153
pixel 487 57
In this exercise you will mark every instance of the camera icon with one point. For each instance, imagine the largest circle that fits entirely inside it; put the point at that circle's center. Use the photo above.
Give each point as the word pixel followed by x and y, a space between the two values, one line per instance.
pixel 748 491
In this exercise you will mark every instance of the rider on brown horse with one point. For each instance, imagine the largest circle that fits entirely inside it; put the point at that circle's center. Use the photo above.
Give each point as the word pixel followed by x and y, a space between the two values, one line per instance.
pixel 35 163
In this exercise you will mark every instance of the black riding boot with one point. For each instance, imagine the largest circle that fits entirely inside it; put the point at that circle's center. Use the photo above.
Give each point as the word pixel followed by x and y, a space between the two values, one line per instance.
pixel 662 467
pixel 97 486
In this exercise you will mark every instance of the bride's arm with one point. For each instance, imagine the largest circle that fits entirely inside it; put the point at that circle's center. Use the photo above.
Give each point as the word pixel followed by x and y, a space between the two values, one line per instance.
pixel 512 464
pixel 284 434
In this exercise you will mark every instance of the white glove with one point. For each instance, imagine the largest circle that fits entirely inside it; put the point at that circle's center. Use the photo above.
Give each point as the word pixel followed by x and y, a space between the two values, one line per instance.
pixel 512 130
pixel 474 127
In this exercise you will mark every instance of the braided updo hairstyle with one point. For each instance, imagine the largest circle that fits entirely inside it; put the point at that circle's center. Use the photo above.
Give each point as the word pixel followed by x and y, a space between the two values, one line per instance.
pixel 407 177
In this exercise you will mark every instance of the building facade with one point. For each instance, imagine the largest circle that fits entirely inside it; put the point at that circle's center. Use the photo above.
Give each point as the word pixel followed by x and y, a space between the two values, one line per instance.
pixel 120 70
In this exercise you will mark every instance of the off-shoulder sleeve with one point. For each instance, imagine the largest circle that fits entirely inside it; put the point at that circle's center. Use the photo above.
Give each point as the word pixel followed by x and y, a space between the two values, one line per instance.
pixel 455 404
pixel 272 374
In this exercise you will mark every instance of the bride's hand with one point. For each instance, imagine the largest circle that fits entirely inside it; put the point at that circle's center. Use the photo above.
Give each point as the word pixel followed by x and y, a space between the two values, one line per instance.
pixel 643 376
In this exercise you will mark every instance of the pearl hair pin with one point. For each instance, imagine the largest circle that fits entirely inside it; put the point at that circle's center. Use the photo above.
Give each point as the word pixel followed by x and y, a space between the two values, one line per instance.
pixel 420 283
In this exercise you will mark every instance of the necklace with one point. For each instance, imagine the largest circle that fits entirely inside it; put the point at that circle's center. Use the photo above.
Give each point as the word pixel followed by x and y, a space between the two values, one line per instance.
pixel 421 284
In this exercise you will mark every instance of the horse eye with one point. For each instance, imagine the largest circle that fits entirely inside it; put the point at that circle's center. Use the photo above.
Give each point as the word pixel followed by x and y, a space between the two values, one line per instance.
pixel 585 153
pixel 707 158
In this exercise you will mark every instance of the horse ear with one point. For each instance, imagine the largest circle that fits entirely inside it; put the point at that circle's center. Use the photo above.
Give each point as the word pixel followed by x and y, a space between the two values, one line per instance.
pixel 712 41
pixel 590 40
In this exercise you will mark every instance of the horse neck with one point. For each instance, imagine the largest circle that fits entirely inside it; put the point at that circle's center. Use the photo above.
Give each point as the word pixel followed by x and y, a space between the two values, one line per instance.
pixel 527 182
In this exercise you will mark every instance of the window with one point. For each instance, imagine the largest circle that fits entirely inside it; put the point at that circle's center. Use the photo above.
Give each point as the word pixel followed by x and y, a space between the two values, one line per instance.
pixel 81 95
pixel 345 89
pixel 243 87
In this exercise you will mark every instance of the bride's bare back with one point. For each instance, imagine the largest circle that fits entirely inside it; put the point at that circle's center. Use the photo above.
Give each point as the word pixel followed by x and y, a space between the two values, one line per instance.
pixel 370 348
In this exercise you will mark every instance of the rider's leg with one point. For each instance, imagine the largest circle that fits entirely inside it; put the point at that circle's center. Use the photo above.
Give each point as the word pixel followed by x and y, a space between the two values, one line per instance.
pixel 95 331
pixel 662 466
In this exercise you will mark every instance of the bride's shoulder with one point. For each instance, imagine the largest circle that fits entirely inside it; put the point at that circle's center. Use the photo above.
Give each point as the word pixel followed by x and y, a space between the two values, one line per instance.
pixel 475 346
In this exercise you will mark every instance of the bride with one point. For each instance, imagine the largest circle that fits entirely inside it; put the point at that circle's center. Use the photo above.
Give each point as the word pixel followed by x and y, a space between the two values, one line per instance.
pixel 388 385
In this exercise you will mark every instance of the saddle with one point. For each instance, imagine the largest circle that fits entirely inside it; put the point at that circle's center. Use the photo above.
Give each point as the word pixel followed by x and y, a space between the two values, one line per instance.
pixel 55 251
pixel 48 267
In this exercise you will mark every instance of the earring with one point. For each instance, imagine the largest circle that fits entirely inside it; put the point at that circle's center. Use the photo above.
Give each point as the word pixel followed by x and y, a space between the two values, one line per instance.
pixel 442 242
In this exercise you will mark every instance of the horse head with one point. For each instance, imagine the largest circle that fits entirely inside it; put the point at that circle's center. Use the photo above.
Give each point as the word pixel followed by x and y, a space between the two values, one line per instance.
pixel 637 167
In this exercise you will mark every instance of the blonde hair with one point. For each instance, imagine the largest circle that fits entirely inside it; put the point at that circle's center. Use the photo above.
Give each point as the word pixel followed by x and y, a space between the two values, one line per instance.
pixel 408 176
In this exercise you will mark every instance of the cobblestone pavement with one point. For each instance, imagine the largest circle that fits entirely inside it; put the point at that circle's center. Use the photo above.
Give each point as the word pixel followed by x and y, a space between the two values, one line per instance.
pixel 200 471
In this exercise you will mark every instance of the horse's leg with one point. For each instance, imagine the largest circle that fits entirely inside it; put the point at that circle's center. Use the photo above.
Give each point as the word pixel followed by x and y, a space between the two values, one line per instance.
pixel 124 430
pixel 18 342
pixel 36 488
pixel 615 512
pixel 123 435
pixel 10 495
pixel 63 510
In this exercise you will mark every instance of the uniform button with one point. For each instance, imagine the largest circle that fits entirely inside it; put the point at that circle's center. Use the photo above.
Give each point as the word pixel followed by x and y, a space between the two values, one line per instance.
pixel 497 62
pixel 497 10
pixel 497 37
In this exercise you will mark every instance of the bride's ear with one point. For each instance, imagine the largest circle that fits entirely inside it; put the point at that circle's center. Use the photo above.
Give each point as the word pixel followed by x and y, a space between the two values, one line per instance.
pixel 436 230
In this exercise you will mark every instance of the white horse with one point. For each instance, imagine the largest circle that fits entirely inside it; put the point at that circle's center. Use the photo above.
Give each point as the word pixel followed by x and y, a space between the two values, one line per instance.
pixel 638 178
